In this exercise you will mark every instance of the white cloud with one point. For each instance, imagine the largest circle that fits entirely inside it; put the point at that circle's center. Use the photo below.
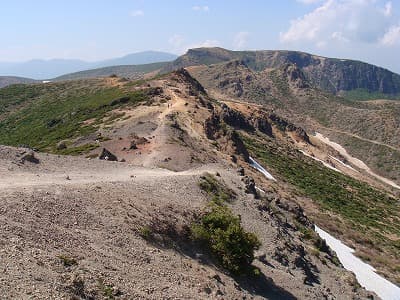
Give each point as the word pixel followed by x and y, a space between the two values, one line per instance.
pixel 176 40
pixel 180 46
pixel 391 37
pixel 388 10
pixel 204 8
pixel 338 36
pixel 240 39
pixel 137 13
pixel 341 21
pixel 206 43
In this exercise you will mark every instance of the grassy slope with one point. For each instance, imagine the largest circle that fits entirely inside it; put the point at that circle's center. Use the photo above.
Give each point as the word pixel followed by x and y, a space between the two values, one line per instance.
pixel 8 80
pixel 373 120
pixel 363 95
pixel 373 216
pixel 42 115
pixel 133 71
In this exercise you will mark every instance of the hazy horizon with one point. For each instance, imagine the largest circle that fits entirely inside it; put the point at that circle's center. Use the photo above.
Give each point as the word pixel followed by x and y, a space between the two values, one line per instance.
pixel 365 30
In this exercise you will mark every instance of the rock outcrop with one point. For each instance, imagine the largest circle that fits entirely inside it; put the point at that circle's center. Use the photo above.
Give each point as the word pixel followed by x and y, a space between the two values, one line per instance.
pixel 284 125
pixel 29 157
pixel 107 155
pixel 328 74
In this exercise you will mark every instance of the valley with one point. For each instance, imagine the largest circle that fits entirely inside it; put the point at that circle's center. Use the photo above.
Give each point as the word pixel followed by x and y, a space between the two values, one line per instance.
pixel 176 146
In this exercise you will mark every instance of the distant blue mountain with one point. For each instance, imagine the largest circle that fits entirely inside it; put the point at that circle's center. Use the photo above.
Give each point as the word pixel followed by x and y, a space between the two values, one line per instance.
pixel 47 69
pixel 140 58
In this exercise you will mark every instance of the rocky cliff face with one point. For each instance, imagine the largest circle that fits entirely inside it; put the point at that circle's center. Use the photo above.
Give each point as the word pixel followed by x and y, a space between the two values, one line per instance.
pixel 328 74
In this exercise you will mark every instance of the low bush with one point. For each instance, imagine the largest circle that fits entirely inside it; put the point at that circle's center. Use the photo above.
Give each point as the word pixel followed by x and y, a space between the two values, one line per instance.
pixel 223 234
pixel 218 192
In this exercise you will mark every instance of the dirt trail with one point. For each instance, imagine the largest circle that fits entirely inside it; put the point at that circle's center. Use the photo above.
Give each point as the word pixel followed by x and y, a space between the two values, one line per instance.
pixel 176 104
pixel 10 180
pixel 21 179
pixel 363 139
pixel 66 171
pixel 355 161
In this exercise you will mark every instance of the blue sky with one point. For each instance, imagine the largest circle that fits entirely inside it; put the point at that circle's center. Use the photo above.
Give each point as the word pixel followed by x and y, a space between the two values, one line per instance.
pixel 367 30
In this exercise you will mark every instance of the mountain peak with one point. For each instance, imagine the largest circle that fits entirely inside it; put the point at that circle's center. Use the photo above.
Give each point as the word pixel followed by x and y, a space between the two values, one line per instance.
pixel 333 75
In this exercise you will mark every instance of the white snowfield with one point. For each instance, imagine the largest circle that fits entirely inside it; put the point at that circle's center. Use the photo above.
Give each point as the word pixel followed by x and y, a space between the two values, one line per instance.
pixel 365 273
pixel 343 164
pixel 260 168
pixel 355 161
pixel 321 161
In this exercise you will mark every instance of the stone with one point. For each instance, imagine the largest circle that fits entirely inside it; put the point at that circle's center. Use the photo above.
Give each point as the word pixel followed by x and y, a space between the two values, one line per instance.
pixel 61 145
pixel 30 157
pixel 107 155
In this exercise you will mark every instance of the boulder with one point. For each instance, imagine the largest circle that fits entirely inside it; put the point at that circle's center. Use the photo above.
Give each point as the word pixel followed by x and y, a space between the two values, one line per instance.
pixel 241 171
pixel 250 186
pixel 107 155
pixel 30 157
pixel 61 145
pixel 133 145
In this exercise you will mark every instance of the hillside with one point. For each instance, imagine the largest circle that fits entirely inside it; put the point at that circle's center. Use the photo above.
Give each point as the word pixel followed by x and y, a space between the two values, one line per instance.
pixel 133 72
pixel 338 76
pixel 369 129
pixel 179 152
pixel 9 80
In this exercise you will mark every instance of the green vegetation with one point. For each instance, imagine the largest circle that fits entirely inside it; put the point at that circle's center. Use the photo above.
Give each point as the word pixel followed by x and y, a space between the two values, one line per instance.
pixel 380 157
pixel 356 201
pixel 363 95
pixel 221 231
pixel 107 290
pixel 67 261
pixel 145 232
pixel 41 115
pixel 131 71
pixel 79 149
pixel 367 216
pixel 218 192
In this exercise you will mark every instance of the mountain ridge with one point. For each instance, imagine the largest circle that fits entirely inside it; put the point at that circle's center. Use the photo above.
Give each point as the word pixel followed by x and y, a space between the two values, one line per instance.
pixel 171 122
pixel 47 69
pixel 333 75
pixel 8 80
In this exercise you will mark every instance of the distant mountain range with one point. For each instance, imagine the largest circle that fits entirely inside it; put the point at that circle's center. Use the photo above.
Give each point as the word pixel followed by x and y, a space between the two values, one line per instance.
pixel 343 77
pixel 45 69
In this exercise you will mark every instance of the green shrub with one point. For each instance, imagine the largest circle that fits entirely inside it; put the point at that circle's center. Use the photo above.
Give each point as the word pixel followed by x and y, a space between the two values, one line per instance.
pixel 222 232
pixel 42 115
pixel 67 261
pixel 145 232
pixel 218 192
pixel 78 150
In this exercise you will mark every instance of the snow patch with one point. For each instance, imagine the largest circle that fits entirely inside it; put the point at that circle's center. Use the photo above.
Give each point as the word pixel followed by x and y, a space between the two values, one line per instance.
pixel 355 161
pixel 342 163
pixel 321 161
pixel 260 168
pixel 365 273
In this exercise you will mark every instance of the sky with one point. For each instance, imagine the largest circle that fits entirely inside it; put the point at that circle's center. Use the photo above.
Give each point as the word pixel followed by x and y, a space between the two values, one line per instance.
pixel 367 30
